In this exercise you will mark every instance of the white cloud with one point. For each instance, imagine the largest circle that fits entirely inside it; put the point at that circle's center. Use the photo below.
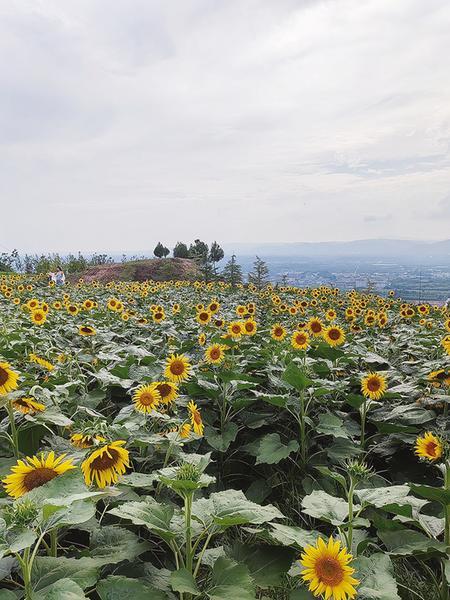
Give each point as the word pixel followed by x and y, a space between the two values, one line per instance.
pixel 244 120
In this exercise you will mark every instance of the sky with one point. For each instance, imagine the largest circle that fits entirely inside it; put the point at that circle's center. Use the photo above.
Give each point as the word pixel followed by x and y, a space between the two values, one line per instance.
pixel 124 123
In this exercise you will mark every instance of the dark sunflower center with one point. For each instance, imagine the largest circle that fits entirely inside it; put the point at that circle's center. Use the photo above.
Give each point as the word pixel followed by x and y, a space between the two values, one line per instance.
pixel 301 339
pixel 278 331
pixel 197 418
pixel 86 329
pixel 106 461
pixel 38 477
pixel 177 367
pixel 374 384
pixel 316 327
pixel 430 448
pixel 38 317
pixel 3 376
pixel 164 389
pixel 334 334
pixel 329 571
pixel 203 316
pixel 214 353
pixel 21 402
pixel 146 399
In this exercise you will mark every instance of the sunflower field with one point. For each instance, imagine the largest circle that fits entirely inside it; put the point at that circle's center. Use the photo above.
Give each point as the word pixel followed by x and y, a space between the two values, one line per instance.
pixel 181 440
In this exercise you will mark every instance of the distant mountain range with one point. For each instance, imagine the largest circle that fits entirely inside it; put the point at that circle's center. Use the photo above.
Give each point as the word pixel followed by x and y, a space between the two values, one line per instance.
pixel 383 248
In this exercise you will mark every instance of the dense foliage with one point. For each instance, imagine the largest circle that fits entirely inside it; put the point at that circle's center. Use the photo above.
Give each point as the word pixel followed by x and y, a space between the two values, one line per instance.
pixel 189 441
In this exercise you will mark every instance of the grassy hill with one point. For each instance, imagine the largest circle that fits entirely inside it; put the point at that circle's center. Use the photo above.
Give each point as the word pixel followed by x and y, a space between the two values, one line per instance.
pixel 158 269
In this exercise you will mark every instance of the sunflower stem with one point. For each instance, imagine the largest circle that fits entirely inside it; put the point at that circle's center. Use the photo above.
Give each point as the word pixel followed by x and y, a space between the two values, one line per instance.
pixel 445 587
pixel 14 432
pixel 53 551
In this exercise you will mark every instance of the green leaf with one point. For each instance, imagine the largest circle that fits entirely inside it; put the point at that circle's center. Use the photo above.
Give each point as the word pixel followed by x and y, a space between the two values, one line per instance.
pixel 7 595
pixel 231 507
pixel 230 581
pixel 330 424
pixel 115 544
pixel 288 535
pixel 116 587
pixel 301 594
pixel 376 576
pixel 183 581
pixel 64 589
pixel 409 542
pixel 322 506
pixel 432 493
pixel 221 441
pixel 48 570
pixel 296 377
pixel 155 516
pixel 267 564
pixel 271 451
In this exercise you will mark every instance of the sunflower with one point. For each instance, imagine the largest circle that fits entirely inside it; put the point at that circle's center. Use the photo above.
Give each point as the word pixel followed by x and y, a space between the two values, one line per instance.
pixel 27 406
pixel 8 379
pixel 196 418
pixel 42 362
pixel 278 332
pixel 334 335
pixel 249 327
pixel 105 464
pixel 327 572
pixel 373 386
pixel 168 391
pixel 86 330
pixel 177 368
pixel 439 377
pixel 315 326
pixel 331 315
pixel 158 316
pixel 202 339
pixel 146 398
pixel 73 310
pixel 429 446
pixel 215 354
pixel 300 340
pixel 38 316
pixel 85 440
pixel 236 329
pixel 203 317
pixel 35 471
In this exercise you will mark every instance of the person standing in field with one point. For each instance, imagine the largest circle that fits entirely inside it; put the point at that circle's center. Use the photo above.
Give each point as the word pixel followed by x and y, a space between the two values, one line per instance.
pixel 60 277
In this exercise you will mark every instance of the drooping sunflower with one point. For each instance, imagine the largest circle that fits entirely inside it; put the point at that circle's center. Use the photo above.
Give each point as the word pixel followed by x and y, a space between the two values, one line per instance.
pixel 278 332
pixel 86 331
pixel 27 406
pixel 215 354
pixel 146 398
pixel 35 471
pixel 429 446
pixel 196 418
pixel 177 368
pixel 105 464
pixel 85 440
pixel 8 379
pixel 38 316
pixel 42 362
pixel 168 391
pixel 334 335
pixel 373 386
pixel 300 340
pixel 327 570
pixel 440 377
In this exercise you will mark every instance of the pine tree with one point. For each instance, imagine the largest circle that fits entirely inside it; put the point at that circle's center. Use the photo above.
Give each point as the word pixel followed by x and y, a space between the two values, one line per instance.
pixel 232 272
pixel 159 250
pixel 215 255
pixel 260 274
pixel 180 250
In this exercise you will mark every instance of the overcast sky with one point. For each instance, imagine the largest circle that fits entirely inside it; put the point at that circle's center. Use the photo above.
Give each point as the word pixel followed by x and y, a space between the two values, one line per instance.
pixel 127 121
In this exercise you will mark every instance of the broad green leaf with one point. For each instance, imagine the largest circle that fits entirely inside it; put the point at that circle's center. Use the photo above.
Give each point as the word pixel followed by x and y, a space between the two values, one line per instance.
pixel 117 587
pixel 296 377
pixel 432 493
pixel 287 535
pixel 221 441
pixel 64 589
pixel 152 514
pixel 48 569
pixel 271 450
pixel 266 564
pixel 183 581
pixel 406 542
pixel 115 544
pixel 230 581
pixel 377 578
pixel 322 506
pixel 330 424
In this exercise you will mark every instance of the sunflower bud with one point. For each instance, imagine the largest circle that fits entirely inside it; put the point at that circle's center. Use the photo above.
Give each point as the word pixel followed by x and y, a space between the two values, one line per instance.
pixel 22 514
pixel 188 472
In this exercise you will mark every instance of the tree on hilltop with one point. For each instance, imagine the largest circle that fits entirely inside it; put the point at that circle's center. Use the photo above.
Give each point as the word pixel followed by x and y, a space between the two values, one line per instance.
pixel 260 274
pixel 232 272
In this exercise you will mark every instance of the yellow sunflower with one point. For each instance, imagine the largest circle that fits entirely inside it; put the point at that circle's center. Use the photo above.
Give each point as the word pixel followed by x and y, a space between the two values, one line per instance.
pixel 27 406
pixel 250 327
pixel 38 316
pixel 86 330
pixel 104 465
pixel 327 571
pixel 373 386
pixel 177 368
pixel 146 398
pixel 196 418
pixel 215 354
pixel 42 362
pixel 429 446
pixel 203 317
pixel 85 440
pixel 300 340
pixel 35 471
pixel 315 326
pixel 8 379
pixel 168 391
pixel 334 335
pixel 278 332
pixel 236 329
